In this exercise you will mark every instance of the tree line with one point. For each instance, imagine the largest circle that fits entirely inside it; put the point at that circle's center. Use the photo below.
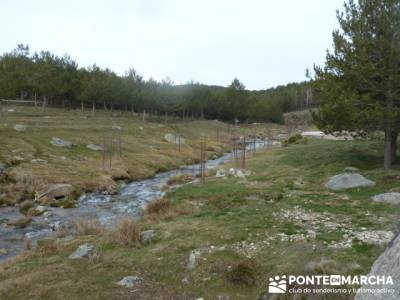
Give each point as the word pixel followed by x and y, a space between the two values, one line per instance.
pixel 58 81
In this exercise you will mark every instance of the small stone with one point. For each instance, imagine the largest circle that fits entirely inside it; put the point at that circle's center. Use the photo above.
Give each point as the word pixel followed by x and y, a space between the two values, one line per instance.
pixel 2 167
pixel 193 257
pixel 3 251
pixel 94 147
pixel 147 236
pixel 83 251
pixel 220 173
pixel 129 281
pixel 20 128
pixel 392 198
pixel 350 169
pixel 38 161
pixel 55 141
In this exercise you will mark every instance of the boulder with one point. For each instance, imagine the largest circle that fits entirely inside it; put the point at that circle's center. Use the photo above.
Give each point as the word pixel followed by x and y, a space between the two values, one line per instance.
pixel 20 128
pixel 83 251
pixel 129 281
pixel 348 181
pixel 94 147
pixel 388 263
pixel 54 191
pixel 392 198
pixel 55 141
pixel 173 139
pixel 147 236
pixel 220 173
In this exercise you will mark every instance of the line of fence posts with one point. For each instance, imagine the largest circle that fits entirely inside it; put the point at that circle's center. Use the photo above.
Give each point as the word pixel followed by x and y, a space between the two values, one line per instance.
pixel 243 158
pixel 111 144
pixel 202 161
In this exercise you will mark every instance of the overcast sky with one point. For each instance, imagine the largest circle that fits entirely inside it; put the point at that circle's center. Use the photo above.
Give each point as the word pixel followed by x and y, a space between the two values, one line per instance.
pixel 264 43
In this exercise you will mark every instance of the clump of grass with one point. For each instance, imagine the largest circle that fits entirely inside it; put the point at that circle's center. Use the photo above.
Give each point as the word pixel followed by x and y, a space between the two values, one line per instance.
pixel 294 139
pixel 324 267
pixel 180 179
pixel 159 206
pixel 163 208
pixel 87 227
pixel 126 232
pixel 25 206
pixel 243 273
pixel 64 203
pixel 46 247
pixel 22 222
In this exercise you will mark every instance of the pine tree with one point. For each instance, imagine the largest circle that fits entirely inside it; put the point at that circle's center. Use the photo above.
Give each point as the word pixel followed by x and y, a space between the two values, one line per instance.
pixel 359 86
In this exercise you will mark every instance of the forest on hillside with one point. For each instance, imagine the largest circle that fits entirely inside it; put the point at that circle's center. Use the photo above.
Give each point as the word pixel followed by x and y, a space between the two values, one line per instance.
pixel 60 82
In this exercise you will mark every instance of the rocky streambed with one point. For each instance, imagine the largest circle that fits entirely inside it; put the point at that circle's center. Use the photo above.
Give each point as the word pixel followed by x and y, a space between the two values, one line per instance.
pixel 130 201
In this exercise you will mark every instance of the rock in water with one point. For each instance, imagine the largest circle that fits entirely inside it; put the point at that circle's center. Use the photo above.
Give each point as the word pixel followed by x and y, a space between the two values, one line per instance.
pixel 388 263
pixel 129 281
pixel 392 198
pixel 220 173
pixel 173 139
pixel 83 251
pixel 94 147
pixel 20 128
pixel 54 191
pixel 348 181
pixel 55 141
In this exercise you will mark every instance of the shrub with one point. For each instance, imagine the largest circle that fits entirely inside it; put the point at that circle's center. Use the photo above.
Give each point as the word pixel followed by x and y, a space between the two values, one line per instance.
pixel 159 206
pixel 25 206
pixel 242 273
pixel 126 232
pixel 294 139
pixel 87 227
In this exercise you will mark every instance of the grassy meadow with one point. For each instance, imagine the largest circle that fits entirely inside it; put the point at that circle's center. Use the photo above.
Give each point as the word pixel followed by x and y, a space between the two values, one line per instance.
pixel 279 220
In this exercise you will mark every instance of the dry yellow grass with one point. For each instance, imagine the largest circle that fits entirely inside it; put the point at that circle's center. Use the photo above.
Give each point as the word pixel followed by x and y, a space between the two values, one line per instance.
pixel 144 150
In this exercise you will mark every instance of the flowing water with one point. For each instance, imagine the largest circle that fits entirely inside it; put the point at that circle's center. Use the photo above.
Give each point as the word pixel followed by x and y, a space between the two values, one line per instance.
pixel 130 201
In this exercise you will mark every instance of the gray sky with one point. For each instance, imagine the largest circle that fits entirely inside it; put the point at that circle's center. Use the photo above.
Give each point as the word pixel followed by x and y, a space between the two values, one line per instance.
pixel 262 42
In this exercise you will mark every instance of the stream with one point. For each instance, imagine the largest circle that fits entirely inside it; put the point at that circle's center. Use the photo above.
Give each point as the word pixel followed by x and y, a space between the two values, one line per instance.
pixel 130 201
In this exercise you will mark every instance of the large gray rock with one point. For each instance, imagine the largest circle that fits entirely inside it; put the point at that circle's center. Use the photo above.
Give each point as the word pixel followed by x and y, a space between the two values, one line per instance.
pixel 20 128
pixel 348 181
pixel 129 281
pixel 55 141
pixel 174 139
pixel 392 198
pixel 94 147
pixel 388 263
pixel 54 191
pixel 83 251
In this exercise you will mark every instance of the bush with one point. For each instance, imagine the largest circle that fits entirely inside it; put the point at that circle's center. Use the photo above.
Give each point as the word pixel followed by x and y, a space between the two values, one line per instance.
pixel 25 206
pixel 243 273
pixel 159 206
pixel 294 139
pixel 87 227
pixel 126 232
